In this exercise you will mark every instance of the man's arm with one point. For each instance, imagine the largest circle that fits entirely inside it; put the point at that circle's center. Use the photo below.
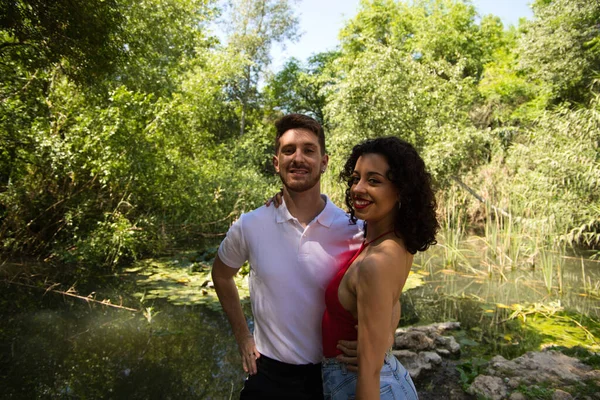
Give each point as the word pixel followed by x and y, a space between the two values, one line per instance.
pixel 222 276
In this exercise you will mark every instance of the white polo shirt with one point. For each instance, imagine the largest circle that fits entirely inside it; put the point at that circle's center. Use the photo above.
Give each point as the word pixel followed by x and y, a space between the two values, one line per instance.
pixel 290 267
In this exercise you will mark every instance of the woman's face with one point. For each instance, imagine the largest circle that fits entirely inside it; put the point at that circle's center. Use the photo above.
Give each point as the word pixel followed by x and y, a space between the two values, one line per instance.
pixel 374 196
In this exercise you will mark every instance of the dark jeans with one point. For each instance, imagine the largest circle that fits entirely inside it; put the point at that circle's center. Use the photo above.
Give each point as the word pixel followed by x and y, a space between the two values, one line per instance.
pixel 278 380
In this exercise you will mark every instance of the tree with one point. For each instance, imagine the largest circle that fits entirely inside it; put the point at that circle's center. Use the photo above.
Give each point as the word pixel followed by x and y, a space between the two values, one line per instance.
pixel 253 26
pixel 91 170
pixel 84 37
pixel 301 88
pixel 162 40
pixel 561 48
pixel 427 30
pixel 387 92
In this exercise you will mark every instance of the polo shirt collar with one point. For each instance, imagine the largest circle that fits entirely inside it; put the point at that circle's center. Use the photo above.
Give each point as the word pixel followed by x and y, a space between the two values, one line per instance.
pixel 325 218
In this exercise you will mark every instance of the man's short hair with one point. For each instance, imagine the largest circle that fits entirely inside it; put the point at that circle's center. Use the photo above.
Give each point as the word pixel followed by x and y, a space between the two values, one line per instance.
pixel 299 121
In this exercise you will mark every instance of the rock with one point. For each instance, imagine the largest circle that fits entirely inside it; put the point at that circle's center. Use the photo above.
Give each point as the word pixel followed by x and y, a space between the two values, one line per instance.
pixel 436 329
pixel 512 383
pixel 561 395
pixel 488 387
pixel 517 396
pixel 443 352
pixel 414 340
pixel 430 357
pixel 423 347
pixel 449 343
pixel 426 353
pixel 457 394
pixel 410 360
pixel 447 326
pixel 536 367
pixel 497 359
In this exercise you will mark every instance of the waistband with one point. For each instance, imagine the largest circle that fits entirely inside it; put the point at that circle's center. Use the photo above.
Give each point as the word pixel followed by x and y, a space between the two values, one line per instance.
pixel 329 361
pixel 282 368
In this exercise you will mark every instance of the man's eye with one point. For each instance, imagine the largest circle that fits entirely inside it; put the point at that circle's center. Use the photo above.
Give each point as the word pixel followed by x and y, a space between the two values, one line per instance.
pixel 309 151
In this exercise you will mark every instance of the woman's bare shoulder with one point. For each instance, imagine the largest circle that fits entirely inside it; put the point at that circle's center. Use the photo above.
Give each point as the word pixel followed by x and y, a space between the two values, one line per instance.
pixel 383 259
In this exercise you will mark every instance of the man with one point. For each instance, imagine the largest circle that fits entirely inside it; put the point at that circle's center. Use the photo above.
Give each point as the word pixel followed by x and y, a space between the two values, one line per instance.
pixel 294 251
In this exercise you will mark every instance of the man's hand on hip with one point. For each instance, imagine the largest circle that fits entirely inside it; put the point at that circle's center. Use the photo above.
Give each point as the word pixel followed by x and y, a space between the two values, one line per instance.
pixel 249 354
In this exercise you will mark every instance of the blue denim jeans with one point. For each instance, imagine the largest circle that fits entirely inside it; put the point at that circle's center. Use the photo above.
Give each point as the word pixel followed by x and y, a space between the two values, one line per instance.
pixel 394 381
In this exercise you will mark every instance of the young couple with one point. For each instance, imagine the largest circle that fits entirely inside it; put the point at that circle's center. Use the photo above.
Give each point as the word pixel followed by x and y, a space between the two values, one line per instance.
pixel 316 273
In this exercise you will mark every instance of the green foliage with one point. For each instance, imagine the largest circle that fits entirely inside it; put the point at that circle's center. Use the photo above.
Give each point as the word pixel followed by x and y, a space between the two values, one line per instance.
pixel 561 48
pixel 302 88
pixel 134 165
pixel 253 27
pixel 470 369
pixel 536 392
pixel 428 30
pixel 84 36
pixel 509 94
pixel 120 120
pixel 113 241
pixel 181 281
pixel 581 353
pixel 161 39
pixel 389 93
pixel 554 175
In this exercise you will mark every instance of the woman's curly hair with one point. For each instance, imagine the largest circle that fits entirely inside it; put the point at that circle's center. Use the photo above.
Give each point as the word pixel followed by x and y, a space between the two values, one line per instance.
pixel 416 221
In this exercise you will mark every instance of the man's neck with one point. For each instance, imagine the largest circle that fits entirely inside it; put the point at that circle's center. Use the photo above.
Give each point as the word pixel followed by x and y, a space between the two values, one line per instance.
pixel 304 206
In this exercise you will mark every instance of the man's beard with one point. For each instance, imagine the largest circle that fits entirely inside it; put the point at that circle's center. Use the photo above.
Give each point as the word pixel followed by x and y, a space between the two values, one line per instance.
pixel 300 186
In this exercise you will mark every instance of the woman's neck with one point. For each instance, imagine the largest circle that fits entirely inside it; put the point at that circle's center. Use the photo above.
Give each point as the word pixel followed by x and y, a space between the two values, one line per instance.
pixel 377 229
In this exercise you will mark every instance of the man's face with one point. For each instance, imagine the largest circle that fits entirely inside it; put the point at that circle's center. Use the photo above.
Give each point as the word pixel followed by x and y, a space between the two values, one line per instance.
pixel 299 161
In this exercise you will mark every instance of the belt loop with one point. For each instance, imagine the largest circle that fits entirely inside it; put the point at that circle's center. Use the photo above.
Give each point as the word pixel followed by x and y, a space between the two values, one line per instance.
pixel 344 368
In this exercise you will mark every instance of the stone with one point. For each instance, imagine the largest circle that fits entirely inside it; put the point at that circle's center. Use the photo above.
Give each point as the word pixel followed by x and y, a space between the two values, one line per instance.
pixel 517 396
pixel 410 361
pixel 414 340
pixel 443 352
pixel 561 395
pixel 449 343
pixel 488 387
pixel 513 382
pixel 424 348
pixel 430 357
pixel 547 366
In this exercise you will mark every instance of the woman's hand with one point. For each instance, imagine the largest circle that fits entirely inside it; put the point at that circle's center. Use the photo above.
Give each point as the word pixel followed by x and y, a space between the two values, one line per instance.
pixel 276 200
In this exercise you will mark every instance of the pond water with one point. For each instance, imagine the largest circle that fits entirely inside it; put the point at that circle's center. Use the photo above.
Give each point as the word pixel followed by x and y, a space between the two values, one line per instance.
pixel 180 345
pixel 62 348
pixel 574 286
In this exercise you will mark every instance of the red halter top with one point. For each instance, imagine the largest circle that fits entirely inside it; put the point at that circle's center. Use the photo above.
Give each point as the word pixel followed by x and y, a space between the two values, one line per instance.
pixel 338 323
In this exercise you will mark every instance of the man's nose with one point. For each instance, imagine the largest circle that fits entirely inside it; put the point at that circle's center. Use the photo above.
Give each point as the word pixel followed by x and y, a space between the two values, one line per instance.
pixel 298 156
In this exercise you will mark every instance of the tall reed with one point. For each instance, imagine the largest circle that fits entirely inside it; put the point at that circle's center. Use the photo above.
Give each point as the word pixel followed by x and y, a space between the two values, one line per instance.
pixel 453 220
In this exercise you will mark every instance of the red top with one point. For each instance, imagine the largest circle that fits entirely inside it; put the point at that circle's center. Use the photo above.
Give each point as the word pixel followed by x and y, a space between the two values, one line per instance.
pixel 338 323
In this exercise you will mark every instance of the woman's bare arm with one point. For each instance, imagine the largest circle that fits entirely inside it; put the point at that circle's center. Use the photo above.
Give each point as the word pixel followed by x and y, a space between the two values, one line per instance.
pixel 378 285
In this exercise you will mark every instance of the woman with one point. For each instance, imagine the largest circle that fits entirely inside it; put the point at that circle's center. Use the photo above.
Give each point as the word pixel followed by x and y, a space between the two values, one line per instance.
pixel 388 188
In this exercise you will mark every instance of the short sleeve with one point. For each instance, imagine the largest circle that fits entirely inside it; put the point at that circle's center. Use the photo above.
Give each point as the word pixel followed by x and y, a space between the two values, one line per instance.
pixel 233 250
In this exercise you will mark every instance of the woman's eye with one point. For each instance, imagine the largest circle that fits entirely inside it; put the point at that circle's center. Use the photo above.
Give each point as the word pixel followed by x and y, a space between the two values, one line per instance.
pixel 373 181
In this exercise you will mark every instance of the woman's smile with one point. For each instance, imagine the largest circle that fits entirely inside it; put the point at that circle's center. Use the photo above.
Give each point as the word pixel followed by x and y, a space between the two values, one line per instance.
pixel 360 204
